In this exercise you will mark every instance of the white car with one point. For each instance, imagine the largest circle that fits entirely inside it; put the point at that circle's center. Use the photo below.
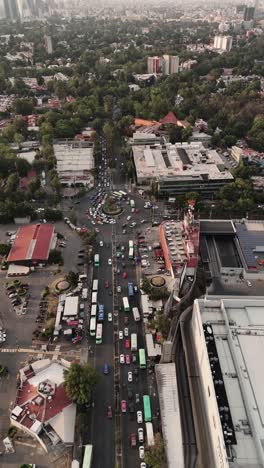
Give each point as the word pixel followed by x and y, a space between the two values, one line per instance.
pixel 121 336
pixel 143 465
pixel 122 359
pixel 110 317
pixel 130 377
pixel 128 218
pixel 119 289
pixel 249 284
pixel 101 243
pixel 110 261
pixel 126 331
pixel 140 434
pixel 141 451
pixel 139 417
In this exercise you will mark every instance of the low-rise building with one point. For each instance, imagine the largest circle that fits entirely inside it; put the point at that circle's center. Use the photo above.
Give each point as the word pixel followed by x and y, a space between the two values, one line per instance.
pixel 180 168
pixel 42 407
pixel 75 162
pixel 32 244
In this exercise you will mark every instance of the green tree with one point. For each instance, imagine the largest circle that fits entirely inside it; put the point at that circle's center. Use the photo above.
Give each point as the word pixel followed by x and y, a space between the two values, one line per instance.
pixel 55 257
pixel 23 106
pixel 72 277
pixel 4 249
pixel 80 382
pixel 155 455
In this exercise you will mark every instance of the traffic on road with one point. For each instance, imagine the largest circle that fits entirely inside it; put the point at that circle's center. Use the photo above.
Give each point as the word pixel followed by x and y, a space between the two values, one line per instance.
pixel 116 331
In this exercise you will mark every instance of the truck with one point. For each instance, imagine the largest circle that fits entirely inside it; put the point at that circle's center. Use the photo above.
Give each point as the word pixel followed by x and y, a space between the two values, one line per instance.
pixel 150 434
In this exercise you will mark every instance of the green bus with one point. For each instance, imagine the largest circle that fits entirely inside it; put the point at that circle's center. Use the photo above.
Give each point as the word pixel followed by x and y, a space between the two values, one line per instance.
pixel 96 260
pixel 87 459
pixel 147 408
pixel 142 358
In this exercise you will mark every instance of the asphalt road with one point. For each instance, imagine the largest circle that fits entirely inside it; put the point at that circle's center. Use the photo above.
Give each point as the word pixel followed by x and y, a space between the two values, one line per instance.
pixel 103 429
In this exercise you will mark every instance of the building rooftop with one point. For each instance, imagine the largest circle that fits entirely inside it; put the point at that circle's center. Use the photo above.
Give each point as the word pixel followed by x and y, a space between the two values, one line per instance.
pixel 42 401
pixel 32 242
pixel 170 414
pixel 179 161
pixel 250 236
pixel 233 329
pixel 71 306
pixel 74 159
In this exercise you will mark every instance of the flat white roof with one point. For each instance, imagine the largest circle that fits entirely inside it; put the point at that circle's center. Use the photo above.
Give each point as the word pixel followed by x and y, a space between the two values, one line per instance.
pixel 64 423
pixel 180 161
pixel 170 414
pixel 71 306
pixel 238 330
pixel 53 372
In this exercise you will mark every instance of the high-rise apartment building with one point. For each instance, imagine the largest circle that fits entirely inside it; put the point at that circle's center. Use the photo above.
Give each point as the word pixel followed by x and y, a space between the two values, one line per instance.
pixel 170 64
pixel 223 43
pixel 167 64
pixel 11 9
pixel 154 65
pixel 48 44
pixel 249 13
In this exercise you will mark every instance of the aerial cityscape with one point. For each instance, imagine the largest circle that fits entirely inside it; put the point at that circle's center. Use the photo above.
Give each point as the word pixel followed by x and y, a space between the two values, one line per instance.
pixel 131 234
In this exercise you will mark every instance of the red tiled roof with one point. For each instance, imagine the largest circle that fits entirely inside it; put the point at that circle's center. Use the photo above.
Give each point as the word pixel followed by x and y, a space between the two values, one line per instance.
pixel 57 404
pixel 170 118
pixel 32 243
pixel 144 123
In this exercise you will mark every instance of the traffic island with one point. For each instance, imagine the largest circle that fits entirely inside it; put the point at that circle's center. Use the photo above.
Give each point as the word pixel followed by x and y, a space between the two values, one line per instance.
pixel 157 281
pixel 111 208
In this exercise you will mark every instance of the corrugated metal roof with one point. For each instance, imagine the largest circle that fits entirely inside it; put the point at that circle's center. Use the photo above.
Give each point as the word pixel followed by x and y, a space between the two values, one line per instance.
pixel 170 414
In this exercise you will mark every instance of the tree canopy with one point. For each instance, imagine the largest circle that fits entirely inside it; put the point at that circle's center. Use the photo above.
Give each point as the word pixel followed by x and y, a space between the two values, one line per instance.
pixel 80 382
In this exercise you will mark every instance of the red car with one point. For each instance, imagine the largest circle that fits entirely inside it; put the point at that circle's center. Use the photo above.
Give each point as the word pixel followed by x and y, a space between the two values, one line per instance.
pixel 124 275
pixel 137 210
pixel 123 406
pixel 109 412
pixel 127 359
pixel 106 284
pixel 133 440
pixel 127 344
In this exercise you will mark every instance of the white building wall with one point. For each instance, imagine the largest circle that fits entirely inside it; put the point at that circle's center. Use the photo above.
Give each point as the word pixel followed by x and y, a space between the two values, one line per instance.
pixel 209 397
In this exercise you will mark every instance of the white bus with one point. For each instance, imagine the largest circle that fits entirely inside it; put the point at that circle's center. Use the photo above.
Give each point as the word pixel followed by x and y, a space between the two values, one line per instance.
pixel 130 244
pixel 95 285
pixel 93 310
pixel 126 304
pixel 150 434
pixel 124 194
pixel 99 333
pixel 84 293
pixel 136 314
pixel 133 342
pixel 131 253
pixel 92 326
pixel 94 298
